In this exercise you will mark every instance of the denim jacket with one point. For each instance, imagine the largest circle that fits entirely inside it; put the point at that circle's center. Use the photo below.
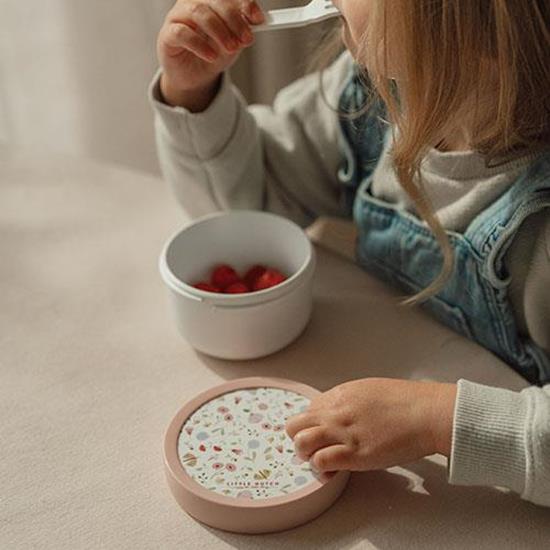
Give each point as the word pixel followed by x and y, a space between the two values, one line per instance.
pixel 398 247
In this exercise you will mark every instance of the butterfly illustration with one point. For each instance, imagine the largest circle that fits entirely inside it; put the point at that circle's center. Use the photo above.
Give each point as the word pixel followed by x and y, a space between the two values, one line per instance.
pixel 189 459
pixel 262 474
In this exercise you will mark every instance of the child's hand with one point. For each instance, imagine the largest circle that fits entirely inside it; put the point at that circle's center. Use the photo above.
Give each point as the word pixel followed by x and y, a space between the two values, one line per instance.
pixel 374 423
pixel 199 40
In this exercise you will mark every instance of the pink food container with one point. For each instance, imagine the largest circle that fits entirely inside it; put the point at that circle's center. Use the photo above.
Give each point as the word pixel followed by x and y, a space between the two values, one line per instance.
pixel 230 464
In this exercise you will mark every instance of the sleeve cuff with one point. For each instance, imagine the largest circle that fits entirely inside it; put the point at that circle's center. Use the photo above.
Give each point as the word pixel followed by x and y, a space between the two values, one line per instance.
pixel 489 445
pixel 203 134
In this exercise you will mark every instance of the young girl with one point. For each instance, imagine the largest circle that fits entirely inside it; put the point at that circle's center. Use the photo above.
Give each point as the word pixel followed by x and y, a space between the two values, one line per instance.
pixel 446 173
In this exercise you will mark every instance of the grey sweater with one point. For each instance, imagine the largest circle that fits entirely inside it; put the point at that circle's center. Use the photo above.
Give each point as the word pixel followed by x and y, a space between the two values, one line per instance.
pixel 284 159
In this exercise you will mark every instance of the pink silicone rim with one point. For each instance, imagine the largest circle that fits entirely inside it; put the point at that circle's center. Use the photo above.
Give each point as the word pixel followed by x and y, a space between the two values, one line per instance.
pixel 177 471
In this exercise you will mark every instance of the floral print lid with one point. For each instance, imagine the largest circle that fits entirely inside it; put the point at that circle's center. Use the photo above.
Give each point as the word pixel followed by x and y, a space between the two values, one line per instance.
pixel 236 444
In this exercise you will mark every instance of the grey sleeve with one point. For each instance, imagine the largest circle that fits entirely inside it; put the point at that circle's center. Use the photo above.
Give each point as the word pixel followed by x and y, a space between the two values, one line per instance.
pixel 282 158
pixel 502 438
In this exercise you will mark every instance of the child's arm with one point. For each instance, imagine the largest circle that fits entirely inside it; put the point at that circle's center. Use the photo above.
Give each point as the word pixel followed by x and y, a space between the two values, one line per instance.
pixel 502 438
pixel 492 436
pixel 282 158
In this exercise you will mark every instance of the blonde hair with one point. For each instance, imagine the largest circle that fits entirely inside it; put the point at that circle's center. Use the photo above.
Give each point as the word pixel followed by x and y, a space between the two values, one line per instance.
pixel 453 54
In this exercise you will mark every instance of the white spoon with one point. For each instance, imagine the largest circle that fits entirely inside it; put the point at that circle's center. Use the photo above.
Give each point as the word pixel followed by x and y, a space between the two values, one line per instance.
pixel 286 18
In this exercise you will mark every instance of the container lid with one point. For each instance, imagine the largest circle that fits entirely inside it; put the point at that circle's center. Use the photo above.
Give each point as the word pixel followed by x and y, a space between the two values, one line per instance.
pixel 230 463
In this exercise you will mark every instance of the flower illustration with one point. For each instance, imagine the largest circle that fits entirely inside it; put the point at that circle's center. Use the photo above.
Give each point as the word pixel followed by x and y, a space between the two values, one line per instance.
pixel 300 480
pixel 189 459
pixel 244 435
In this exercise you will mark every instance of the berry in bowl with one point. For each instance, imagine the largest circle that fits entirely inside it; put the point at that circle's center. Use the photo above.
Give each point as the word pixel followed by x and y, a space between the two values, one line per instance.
pixel 225 280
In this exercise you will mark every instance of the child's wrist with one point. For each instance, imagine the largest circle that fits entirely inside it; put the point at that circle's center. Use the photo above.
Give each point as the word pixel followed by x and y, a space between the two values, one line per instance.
pixel 194 100
pixel 440 423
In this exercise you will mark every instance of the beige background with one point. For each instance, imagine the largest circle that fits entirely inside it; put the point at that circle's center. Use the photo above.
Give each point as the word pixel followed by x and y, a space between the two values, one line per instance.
pixel 74 73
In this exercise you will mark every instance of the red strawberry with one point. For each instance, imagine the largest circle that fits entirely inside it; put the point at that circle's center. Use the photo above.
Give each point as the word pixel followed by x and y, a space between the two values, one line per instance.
pixel 269 278
pixel 253 274
pixel 223 276
pixel 236 288
pixel 206 286
pixel 216 448
pixel 202 447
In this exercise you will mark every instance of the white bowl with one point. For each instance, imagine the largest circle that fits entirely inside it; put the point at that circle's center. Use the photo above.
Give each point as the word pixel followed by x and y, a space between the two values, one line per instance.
pixel 239 326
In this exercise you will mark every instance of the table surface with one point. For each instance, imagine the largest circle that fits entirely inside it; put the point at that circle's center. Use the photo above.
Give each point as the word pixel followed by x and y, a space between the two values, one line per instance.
pixel 93 369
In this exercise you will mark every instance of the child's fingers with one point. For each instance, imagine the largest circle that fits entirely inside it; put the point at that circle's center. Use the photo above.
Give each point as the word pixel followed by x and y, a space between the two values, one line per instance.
pixel 299 422
pixel 233 18
pixel 202 17
pixel 324 477
pixel 252 11
pixel 180 37
pixel 310 440
pixel 215 27
pixel 328 459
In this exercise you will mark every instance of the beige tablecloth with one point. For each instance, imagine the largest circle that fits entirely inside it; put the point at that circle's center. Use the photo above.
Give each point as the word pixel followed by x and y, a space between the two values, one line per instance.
pixel 92 371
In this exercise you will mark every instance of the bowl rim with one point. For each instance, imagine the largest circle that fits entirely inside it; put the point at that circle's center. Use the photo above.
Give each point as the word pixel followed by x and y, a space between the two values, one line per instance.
pixel 178 474
pixel 235 300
